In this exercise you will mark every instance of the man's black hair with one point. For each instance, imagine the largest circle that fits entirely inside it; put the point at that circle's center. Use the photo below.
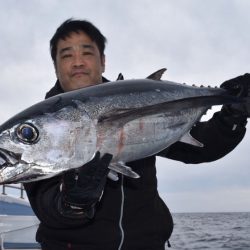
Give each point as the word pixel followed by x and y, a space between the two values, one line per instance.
pixel 71 25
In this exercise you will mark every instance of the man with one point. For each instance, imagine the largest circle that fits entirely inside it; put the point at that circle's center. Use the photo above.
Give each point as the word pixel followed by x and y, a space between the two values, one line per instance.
pixel 83 209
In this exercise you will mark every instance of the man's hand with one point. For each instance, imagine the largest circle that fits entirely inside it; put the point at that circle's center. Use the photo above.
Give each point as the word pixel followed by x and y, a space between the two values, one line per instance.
pixel 82 188
pixel 240 87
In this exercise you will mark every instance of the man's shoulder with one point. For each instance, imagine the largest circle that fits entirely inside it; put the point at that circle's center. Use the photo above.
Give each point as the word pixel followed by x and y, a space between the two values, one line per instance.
pixel 55 90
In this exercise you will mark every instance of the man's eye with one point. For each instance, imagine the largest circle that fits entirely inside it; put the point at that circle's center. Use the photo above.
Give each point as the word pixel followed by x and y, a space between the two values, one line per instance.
pixel 87 53
pixel 66 56
pixel 27 133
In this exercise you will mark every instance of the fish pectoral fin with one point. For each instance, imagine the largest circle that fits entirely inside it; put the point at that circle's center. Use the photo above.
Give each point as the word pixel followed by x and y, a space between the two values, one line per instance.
pixel 120 167
pixel 189 139
pixel 125 115
pixel 112 175
pixel 157 75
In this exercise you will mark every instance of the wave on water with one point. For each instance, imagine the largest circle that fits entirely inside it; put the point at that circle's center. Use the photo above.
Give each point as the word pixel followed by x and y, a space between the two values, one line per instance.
pixel 215 231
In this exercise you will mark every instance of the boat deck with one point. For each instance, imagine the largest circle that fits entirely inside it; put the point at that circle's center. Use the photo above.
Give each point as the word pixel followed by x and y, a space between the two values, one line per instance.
pixel 18 224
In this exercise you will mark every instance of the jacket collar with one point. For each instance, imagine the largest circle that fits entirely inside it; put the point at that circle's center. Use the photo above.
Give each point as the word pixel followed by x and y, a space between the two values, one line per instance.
pixel 57 89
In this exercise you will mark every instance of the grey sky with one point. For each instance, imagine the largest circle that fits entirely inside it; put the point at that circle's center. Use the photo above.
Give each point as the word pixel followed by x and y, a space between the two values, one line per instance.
pixel 200 42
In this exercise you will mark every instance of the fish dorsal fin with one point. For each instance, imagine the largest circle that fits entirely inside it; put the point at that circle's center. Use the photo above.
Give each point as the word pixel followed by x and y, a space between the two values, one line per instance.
pixel 120 77
pixel 121 168
pixel 157 75
pixel 189 139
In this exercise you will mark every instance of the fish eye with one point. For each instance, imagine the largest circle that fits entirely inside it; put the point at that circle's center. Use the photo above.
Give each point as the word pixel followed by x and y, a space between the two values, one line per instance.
pixel 27 133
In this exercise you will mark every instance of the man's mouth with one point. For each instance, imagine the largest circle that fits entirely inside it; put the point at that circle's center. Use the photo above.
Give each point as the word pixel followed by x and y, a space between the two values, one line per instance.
pixel 79 74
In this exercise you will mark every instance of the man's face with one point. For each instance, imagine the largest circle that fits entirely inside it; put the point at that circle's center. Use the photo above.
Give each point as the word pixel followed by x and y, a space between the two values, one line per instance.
pixel 79 63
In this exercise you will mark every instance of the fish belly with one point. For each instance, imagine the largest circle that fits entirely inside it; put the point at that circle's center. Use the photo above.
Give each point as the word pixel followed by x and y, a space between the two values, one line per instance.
pixel 149 135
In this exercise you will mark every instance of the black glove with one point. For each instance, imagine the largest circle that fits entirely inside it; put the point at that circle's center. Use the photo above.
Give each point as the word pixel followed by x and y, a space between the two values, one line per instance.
pixel 82 188
pixel 240 87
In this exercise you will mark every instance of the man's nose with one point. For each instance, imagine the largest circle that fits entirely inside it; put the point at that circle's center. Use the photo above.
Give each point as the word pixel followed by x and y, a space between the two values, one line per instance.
pixel 78 60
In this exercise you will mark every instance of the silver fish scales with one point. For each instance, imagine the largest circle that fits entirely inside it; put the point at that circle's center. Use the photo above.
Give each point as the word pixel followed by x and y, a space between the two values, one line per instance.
pixel 130 119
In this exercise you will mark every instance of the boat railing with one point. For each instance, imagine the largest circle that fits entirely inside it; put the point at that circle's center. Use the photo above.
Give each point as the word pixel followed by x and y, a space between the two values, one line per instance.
pixel 19 187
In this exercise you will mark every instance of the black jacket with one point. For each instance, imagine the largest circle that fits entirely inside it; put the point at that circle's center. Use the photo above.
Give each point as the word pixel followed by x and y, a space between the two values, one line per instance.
pixel 130 211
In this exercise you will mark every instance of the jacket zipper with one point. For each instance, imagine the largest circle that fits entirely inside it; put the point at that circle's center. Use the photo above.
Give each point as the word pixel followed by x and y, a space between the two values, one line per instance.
pixel 121 214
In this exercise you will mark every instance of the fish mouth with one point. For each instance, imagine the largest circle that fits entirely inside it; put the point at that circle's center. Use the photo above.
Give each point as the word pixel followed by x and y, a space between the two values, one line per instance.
pixel 8 159
pixel 15 170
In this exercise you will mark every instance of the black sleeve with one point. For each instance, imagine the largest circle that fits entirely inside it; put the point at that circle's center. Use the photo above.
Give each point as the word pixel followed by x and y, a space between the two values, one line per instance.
pixel 219 135
pixel 44 196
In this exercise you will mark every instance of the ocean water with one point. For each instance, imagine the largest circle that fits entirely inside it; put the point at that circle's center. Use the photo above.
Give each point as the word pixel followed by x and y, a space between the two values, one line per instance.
pixel 215 231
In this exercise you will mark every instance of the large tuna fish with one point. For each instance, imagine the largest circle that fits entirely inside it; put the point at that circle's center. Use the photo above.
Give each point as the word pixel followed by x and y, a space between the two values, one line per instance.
pixel 129 119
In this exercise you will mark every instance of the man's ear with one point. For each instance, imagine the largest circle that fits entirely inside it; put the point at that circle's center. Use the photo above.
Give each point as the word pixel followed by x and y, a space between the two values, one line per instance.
pixel 54 63
pixel 103 61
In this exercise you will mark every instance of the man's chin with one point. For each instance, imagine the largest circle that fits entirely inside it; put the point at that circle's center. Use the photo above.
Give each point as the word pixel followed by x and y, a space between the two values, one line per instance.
pixel 83 85
pixel 78 83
